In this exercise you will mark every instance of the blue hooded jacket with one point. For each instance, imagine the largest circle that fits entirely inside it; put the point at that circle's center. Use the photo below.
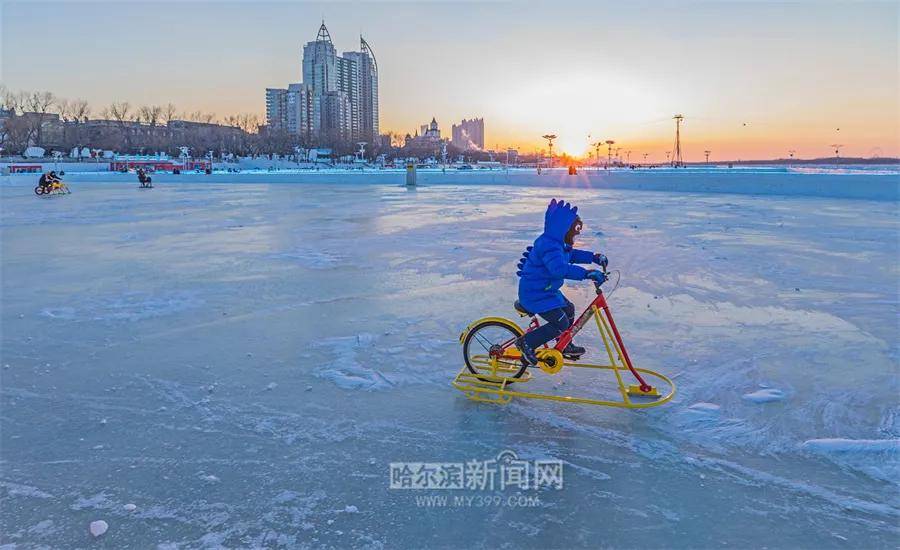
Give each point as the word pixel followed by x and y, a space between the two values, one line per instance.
pixel 545 266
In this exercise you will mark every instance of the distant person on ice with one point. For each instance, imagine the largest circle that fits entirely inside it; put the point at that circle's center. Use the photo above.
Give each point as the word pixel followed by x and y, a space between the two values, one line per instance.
pixel 143 177
pixel 542 272
pixel 47 180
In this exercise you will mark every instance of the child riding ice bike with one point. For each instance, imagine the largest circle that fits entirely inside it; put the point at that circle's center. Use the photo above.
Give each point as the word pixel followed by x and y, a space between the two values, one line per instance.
pixel 543 269
pixel 497 352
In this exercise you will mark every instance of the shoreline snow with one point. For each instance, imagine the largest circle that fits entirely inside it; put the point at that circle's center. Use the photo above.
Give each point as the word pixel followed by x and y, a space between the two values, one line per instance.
pixel 880 185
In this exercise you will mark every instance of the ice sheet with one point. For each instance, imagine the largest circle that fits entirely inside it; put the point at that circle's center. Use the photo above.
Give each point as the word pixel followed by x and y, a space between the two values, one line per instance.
pixel 242 362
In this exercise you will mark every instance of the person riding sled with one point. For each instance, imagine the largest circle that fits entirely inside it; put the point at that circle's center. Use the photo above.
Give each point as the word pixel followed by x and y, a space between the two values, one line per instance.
pixel 543 269
pixel 47 180
pixel 143 178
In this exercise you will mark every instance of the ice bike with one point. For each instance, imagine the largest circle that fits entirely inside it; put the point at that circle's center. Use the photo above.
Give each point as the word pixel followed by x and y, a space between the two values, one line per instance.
pixel 494 370
pixel 55 188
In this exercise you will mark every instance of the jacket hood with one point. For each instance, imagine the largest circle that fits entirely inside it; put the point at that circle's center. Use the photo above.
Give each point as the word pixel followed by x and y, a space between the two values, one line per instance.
pixel 558 219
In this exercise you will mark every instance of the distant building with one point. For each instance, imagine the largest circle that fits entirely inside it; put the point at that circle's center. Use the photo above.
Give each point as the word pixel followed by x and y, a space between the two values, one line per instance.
pixel 290 110
pixel 299 108
pixel 327 74
pixel 276 109
pixel 430 135
pixel 469 134
pixel 367 75
pixel 338 96
pixel 336 113
pixel 431 131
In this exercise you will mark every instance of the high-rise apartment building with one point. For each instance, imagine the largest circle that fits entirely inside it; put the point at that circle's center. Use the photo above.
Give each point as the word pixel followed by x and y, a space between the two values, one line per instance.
pixel 276 108
pixel 299 108
pixel 367 77
pixel 469 134
pixel 338 96
pixel 290 110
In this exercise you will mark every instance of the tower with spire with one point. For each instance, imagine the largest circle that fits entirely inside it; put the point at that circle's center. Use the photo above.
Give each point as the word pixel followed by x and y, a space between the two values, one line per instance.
pixel 337 98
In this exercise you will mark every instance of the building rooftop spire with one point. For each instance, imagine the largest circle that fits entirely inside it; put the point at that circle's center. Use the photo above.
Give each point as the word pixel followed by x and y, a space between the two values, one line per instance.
pixel 365 48
pixel 324 35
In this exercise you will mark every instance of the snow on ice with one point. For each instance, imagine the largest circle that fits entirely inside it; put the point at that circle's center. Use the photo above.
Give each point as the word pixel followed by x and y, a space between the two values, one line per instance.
pixel 98 527
pixel 765 395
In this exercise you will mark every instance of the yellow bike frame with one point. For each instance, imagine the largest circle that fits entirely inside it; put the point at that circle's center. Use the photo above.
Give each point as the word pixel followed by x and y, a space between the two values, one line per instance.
pixel 488 387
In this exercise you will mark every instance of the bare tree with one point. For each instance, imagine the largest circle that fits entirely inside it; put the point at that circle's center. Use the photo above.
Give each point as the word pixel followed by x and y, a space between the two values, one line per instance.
pixel 40 102
pixel 62 108
pixel 199 116
pixel 168 113
pixel 119 111
pixel 5 95
pixel 79 110
pixel 249 122
pixel 151 115
pixel 12 101
pixel 15 134
pixel 38 105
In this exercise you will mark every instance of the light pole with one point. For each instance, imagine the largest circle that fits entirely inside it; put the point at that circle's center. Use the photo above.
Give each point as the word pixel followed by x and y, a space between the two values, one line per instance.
pixel 609 144
pixel 550 138
pixel 597 147
pixel 677 160
pixel 628 157
pixel 837 152
pixel 645 158
pixel 668 153
pixel 707 156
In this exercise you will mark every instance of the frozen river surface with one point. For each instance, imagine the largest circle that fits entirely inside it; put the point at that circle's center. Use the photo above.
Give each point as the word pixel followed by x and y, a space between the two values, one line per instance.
pixel 242 363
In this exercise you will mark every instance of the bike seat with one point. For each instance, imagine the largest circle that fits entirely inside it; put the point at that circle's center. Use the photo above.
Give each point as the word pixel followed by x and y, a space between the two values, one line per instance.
pixel 522 311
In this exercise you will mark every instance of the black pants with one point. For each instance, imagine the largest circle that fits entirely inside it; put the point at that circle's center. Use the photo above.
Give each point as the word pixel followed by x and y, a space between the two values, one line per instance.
pixel 558 320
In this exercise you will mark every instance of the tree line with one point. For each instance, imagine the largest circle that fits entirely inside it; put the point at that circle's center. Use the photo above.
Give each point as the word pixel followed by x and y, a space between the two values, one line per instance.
pixel 43 119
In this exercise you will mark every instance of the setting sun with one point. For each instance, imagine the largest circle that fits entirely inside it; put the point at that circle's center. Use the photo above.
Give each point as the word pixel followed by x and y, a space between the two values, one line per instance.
pixel 580 109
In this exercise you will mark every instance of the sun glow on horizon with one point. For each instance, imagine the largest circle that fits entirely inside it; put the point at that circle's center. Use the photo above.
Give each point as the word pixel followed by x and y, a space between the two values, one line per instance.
pixel 578 108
